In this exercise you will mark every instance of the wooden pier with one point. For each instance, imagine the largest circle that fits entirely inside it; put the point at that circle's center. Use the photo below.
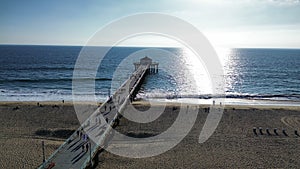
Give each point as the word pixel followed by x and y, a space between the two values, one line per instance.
pixel 79 150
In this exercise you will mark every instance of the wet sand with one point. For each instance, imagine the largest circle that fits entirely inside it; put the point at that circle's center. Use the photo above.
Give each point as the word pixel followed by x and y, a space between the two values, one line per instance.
pixel 233 145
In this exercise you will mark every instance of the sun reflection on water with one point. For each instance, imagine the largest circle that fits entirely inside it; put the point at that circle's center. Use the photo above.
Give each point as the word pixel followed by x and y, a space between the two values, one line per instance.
pixel 196 70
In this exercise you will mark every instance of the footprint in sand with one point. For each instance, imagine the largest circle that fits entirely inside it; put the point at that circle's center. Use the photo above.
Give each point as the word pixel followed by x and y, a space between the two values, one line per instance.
pixel 292 121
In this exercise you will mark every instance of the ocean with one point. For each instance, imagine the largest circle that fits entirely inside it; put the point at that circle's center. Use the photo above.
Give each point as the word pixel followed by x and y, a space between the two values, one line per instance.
pixel 44 73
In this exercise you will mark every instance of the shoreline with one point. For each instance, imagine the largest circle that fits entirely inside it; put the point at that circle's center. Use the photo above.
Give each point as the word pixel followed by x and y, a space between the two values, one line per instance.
pixel 177 102
pixel 230 101
pixel 48 102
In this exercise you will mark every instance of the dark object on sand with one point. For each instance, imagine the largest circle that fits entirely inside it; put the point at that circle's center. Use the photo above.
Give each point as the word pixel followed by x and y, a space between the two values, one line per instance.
pixel 116 123
pixel 268 131
pixel 206 110
pixel 275 131
pixel 284 132
pixel 296 133
pixel 16 108
pixel 260 131
pixel 254 131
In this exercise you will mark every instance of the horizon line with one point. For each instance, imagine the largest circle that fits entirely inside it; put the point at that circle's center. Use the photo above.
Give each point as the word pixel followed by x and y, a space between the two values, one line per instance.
pixel 140 46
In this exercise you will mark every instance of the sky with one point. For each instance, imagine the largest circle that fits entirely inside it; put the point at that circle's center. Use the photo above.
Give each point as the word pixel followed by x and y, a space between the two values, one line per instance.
pixel 226 23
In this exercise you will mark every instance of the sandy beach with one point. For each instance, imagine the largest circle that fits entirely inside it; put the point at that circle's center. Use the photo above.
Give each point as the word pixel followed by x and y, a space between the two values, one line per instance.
pixel 24 125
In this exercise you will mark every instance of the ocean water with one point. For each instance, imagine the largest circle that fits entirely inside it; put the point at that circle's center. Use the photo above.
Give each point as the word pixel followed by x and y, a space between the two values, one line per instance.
pixel 44 73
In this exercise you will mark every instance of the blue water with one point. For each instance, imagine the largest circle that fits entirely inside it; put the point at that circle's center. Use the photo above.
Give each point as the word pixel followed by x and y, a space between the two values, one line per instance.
pixel 264 73
pixel 35 73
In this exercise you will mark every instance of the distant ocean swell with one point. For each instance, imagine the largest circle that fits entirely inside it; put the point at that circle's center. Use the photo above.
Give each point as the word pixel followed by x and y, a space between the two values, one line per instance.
pixel 38 68
pixel 51 80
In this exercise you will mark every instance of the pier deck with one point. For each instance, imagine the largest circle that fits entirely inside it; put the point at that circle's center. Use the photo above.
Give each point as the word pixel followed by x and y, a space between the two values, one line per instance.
pixel 98 126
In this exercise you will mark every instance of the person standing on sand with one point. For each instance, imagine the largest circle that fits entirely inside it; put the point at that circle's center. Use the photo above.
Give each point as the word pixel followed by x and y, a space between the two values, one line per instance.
pixel 87 147
pixel 84 137
pixel 99 121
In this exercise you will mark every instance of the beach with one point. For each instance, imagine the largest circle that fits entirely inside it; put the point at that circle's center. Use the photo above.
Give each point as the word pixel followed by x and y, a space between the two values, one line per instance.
pixel 24 125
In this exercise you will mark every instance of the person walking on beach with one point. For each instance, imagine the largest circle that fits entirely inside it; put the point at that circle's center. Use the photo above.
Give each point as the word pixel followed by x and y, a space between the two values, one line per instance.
pixel 98 121
pixel 87 147
pixel 84 137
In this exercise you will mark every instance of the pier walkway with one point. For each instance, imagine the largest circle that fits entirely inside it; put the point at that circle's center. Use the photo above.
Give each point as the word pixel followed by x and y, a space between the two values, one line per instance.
pixel 78 151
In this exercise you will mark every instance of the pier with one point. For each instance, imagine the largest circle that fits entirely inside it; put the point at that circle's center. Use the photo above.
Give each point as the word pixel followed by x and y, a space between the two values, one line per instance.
pixel 79 150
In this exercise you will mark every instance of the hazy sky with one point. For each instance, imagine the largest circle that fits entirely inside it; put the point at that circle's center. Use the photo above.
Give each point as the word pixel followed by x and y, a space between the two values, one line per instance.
pixel 228 23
